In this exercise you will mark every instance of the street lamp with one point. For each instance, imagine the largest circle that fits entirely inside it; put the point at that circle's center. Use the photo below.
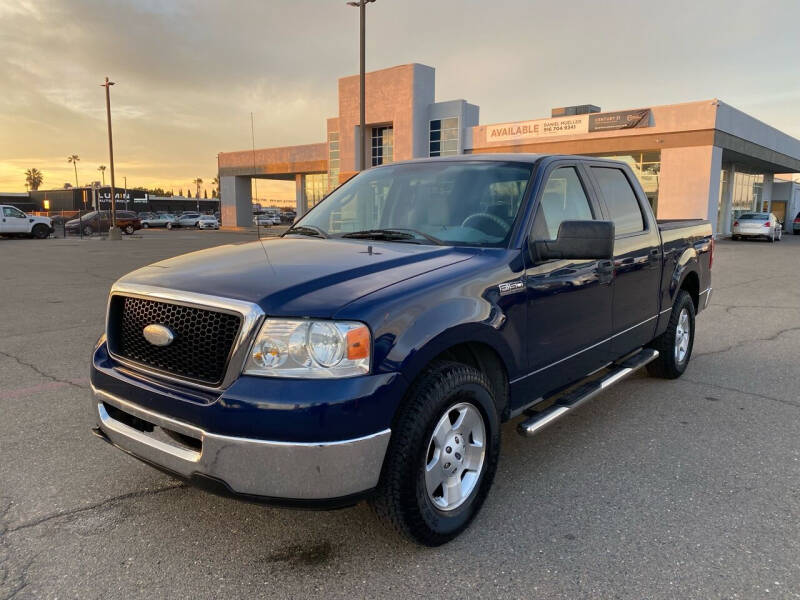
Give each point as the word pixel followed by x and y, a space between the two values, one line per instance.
pixel 362 6
pixel 113 232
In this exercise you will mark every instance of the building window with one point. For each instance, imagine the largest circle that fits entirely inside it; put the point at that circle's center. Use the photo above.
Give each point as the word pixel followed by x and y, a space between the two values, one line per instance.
pixel 382 145
pixel 333 160
pixel 443 138
pixel 315 188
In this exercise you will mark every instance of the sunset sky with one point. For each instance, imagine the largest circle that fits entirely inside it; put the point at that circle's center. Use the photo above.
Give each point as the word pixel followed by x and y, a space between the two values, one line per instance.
pixel 189 73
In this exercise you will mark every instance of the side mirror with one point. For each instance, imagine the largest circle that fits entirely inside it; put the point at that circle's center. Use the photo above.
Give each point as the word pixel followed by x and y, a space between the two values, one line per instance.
pixel 577 240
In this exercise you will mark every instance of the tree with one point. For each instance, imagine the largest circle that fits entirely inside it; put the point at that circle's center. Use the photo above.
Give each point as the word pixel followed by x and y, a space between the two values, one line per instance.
pixel 102 169
pixel 198 182
pixel 34 177
pixel 215 187
pixel 74 158
pixel 68 186
pixel 205 194
pixel 180 192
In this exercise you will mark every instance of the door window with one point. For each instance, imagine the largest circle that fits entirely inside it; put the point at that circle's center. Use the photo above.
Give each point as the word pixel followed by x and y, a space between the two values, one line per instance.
pixel 563 199
pixel 620 200
pixel 10 211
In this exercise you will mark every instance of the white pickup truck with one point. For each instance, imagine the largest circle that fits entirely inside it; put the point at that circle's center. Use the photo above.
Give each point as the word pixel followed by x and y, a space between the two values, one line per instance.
pixel 15 222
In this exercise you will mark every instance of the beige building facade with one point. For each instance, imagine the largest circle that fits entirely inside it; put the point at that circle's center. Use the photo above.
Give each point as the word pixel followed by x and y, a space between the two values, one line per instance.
pixel 701 159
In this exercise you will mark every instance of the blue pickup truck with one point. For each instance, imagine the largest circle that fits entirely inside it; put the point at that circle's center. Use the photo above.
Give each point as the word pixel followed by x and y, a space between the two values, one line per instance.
pixel 373 351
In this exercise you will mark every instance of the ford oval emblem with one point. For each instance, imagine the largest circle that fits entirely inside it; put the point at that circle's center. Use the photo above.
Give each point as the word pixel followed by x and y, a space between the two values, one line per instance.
pixel 158 335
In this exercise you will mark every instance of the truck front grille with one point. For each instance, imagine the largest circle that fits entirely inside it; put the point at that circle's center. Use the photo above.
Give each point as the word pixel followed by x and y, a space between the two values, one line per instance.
pixel 202 345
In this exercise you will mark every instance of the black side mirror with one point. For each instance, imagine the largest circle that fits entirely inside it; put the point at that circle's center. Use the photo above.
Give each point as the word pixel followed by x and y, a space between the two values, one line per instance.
pixel 577 240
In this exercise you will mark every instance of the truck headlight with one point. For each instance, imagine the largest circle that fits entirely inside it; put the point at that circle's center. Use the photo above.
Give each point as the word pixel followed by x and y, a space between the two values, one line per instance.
pixel 302 348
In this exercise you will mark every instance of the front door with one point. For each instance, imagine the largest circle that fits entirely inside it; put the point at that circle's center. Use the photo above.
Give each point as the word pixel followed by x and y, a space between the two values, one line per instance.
pixel 569 301
pixel 14 220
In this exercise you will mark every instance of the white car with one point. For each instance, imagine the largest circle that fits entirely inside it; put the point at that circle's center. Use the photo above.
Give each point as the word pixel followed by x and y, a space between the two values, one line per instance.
pixel 208 222
pixel 15 222
pixel 263 220
pixel 757 225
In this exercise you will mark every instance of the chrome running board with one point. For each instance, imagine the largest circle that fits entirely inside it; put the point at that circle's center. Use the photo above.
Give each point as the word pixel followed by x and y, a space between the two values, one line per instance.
pixel 573 398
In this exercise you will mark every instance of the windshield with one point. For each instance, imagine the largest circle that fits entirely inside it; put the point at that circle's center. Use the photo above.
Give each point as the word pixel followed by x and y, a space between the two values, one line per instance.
pixel 453 203
pixel 754 217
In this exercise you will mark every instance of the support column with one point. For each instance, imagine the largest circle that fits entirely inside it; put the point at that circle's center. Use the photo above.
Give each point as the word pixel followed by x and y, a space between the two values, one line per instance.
pixel 236 201
pixel 766 193
pixel 301 202
pixel 726 217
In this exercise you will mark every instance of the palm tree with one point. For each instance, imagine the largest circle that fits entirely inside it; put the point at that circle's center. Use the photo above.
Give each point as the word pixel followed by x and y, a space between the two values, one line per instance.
pixel 74 158
pixel 215 187
pixel 33 177
pixel 198 182
pixel 102 169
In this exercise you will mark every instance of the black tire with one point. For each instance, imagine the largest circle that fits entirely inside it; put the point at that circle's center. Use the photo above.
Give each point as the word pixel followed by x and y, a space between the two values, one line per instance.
pixel 87 230
pixel 128 230
pixel 168 225
pixel 667 365
pixel 401 497
pixel 145 225
pixel 735 238
pixel 40 231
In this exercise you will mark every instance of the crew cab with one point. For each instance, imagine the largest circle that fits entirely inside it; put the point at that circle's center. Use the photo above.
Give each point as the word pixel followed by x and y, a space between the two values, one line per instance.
pixel 15 222
pixel 374 349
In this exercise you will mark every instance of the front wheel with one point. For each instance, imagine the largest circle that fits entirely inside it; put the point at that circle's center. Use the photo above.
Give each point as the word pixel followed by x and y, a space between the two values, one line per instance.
pixel 128 230
pixel 442 456
pixel 87 230
pixel 40 231
pixel 169 225
pixel 675 344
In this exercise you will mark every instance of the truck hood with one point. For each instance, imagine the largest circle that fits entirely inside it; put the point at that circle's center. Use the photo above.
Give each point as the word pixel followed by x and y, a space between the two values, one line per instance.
pixel 300 277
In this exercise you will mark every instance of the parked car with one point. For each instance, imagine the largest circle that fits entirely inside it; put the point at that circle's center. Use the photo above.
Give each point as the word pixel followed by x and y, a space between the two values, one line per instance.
pixel 160 220
pixel 143 216
pixel 796 225
pixel 374 349
pixel 262 220
pixel 208 222
pixel 99 221
pixel 14 222
pixel 757 225
pixel 288 216
pixel 188 219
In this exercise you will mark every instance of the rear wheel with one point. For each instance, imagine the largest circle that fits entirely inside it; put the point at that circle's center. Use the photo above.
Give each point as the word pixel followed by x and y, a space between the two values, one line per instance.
pixel 87 230
pixel 128 230
pixel 169 225
pixel 40 231
pixel 443 455
pixel 145 225
pixel 675 344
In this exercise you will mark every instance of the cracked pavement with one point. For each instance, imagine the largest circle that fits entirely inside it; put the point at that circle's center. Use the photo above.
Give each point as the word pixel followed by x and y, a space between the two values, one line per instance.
pixel 656 489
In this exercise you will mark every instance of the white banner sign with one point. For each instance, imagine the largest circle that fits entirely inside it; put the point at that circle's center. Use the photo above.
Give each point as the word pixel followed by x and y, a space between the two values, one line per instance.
pixel 503 132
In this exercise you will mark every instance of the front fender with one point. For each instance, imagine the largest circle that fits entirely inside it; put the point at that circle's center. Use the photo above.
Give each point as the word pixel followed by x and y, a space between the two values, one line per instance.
pixel 456 321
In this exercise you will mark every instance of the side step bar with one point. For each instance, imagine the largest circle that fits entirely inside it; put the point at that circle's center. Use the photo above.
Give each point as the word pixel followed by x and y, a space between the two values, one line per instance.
pixel 574 398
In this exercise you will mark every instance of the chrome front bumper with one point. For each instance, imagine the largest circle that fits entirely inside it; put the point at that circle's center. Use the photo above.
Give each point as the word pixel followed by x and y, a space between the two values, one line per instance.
pixel 280 470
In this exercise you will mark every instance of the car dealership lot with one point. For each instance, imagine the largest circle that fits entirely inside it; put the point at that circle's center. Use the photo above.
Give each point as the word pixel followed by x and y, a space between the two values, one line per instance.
pixel 657 489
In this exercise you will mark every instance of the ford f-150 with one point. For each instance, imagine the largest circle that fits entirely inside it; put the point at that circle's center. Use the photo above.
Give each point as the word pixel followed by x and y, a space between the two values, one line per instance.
pixel 374 350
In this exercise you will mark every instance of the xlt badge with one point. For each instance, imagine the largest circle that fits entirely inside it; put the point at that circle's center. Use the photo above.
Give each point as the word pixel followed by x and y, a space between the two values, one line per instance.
pixel 511 287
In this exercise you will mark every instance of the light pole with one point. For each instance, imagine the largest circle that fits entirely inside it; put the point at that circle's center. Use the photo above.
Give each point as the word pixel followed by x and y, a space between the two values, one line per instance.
pixel 125 192
pixel 113 232
pixel 362 9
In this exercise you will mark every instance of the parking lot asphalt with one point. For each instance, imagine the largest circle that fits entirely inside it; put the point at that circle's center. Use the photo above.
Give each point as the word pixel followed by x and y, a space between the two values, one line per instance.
pixel 656 489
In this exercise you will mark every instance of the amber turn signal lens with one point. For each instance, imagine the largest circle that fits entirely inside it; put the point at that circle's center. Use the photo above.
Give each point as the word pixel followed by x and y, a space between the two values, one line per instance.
pixel 358 343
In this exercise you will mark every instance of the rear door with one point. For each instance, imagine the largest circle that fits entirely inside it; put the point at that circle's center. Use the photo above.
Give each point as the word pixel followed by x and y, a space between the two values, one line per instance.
pixel 569 301
pixel 14 220
pixel 637 257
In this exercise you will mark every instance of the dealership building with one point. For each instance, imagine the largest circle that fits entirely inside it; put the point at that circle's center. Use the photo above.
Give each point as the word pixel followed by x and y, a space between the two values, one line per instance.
pixel 701 159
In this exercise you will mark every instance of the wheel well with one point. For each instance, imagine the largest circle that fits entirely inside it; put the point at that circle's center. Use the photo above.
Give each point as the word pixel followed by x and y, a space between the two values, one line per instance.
pixel 691 284
pixel 484 358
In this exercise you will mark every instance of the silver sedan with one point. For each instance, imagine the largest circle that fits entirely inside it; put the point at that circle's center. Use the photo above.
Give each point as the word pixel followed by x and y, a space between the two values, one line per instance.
pixel 757 225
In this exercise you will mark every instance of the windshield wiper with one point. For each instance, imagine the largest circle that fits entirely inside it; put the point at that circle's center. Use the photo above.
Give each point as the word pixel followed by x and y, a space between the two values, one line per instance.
pixel 397 234
pixel 312 230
